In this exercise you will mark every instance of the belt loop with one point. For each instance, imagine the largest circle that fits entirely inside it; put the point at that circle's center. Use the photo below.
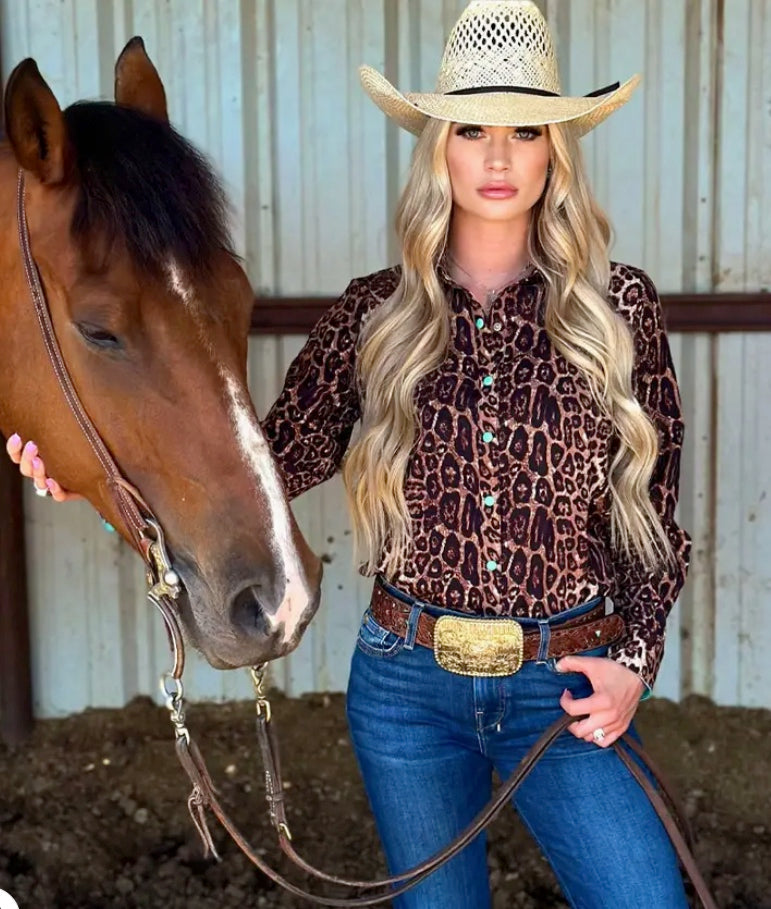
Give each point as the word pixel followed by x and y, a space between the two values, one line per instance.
pixel 412 625
pixel 543 647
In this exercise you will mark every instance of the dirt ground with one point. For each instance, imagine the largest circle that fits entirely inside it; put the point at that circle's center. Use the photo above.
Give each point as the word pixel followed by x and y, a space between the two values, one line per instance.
pixel 93 809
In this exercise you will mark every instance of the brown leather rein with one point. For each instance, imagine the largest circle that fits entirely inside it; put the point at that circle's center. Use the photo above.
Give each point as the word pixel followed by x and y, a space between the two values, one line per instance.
pixel 164 586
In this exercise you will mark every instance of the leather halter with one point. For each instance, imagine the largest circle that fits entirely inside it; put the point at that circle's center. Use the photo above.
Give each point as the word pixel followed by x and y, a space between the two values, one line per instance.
pixel 164 586
pixel 142 527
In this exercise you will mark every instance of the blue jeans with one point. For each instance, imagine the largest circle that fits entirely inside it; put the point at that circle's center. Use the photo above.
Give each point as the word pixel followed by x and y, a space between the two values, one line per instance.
pixel 427 742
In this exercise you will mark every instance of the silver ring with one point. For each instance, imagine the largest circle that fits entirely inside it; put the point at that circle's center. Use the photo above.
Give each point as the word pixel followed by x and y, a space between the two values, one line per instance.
pixel 41 492
pixel 599 734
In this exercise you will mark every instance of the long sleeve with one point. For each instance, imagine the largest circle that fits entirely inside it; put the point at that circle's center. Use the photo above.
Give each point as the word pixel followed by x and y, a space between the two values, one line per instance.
pixel 645 599
pixel 310 425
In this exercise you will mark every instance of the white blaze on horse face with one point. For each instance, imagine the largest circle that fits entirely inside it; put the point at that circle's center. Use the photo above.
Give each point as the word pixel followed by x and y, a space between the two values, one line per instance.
pixel 257 455
pixel 178 284
pixel 185 291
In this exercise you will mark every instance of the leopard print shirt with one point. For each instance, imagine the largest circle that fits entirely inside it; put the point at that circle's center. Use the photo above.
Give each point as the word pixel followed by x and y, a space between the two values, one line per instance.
pixel 507 481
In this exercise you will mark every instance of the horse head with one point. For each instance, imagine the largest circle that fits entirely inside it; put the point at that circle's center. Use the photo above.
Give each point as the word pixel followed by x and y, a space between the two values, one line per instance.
pixel 151 309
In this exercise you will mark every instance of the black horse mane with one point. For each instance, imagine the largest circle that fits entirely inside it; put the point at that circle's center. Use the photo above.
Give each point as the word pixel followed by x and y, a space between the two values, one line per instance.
pixel 145 185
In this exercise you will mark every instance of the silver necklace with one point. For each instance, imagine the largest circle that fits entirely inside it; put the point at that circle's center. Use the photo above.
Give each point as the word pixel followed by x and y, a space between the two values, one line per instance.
pixel 490 292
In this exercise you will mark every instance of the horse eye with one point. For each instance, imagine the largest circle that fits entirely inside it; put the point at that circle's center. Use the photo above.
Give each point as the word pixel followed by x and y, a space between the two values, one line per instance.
pixel 98 337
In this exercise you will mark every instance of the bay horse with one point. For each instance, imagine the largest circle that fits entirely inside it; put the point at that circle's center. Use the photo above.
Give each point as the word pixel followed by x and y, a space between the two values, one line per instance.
pixel 151 310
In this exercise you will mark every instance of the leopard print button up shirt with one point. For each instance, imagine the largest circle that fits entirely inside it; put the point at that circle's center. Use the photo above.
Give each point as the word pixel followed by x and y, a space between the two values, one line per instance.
pixel 507 481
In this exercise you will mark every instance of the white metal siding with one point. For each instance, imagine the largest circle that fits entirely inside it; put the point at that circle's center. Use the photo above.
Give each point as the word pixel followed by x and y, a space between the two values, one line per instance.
pixel 269 90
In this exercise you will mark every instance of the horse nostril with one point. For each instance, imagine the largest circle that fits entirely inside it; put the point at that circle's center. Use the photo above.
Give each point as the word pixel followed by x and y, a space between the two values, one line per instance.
pixel 248 614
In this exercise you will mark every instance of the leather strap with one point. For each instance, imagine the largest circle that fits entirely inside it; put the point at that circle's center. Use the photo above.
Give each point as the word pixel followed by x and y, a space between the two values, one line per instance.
pixel 143 529
pixel 126 497
pixel 592 629
pixel 397 884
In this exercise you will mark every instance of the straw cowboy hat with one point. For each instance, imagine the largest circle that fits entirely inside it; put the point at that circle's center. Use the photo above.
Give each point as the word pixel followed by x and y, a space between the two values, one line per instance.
pixel 498 69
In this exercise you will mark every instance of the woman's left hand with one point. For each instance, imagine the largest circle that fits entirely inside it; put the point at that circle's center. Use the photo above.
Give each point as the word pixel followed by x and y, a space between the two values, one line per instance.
pixel 612 705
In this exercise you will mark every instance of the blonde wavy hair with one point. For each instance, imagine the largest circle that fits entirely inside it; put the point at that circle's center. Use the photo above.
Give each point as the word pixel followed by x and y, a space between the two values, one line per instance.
pixel 406 338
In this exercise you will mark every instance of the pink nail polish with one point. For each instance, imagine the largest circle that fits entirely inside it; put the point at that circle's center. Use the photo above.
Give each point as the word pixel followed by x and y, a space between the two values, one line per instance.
pixel 30 447
pixel 15 439
pixel 51 485
pixel 36 463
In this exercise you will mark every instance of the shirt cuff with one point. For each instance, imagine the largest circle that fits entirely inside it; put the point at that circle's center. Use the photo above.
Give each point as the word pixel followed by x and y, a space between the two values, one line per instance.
pixel 642 656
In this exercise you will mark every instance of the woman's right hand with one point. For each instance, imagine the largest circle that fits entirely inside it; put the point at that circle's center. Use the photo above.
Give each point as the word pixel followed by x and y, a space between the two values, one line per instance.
pixel 31 465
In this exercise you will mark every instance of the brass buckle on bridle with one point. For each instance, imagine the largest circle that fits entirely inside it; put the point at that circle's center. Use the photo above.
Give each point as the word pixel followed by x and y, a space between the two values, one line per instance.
pixel 261 702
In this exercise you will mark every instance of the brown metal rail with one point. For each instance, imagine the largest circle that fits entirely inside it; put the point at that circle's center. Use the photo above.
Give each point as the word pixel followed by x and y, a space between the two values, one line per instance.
pixel 713 312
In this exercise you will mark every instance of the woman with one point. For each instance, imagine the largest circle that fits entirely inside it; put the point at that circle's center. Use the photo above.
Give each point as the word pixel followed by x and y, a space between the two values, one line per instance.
pixel 517 462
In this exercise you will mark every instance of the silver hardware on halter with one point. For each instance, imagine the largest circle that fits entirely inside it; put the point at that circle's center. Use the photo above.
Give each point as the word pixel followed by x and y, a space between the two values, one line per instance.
pixel 174 699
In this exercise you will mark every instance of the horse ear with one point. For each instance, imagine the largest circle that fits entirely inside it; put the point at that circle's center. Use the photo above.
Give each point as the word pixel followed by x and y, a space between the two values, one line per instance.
pixel 137 83
pixel 35 125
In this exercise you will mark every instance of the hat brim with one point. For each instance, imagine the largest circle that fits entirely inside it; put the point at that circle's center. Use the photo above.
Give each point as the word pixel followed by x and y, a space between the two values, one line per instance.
pixel 411 111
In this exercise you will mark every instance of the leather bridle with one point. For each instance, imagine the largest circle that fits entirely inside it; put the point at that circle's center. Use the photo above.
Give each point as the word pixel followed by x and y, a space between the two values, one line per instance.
pixel 164 587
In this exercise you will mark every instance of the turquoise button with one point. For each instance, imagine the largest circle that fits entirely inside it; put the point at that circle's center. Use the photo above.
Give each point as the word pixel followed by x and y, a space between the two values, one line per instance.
pixel 489 501
pixel 480 323
pixel 488 380
pixel 491 565
pixel 487 437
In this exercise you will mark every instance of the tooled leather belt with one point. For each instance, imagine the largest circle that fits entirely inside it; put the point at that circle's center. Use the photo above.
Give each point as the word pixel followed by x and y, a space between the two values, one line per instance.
pixel 585 632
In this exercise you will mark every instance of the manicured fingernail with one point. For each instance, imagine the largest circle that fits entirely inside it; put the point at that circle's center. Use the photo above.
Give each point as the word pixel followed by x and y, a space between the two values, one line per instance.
pixel 51 485
pixel 36 463
pixel 15 439
pixel 30 447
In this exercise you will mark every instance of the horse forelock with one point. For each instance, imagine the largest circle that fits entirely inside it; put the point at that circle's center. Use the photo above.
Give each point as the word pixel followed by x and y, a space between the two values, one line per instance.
pixel 144 186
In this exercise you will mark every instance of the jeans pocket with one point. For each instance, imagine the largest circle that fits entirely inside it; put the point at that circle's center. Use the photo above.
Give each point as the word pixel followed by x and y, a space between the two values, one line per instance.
pixel 551 662
pixel 376 641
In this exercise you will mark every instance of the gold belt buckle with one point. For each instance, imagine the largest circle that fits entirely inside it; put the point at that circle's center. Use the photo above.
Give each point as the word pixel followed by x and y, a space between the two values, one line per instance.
pixel 479 647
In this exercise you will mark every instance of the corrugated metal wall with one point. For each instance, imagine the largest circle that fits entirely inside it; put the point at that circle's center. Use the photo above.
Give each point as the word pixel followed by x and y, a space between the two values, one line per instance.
pixel 268 88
